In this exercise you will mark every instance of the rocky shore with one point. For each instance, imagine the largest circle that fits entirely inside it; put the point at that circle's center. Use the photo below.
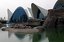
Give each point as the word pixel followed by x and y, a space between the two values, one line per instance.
pixel 23 28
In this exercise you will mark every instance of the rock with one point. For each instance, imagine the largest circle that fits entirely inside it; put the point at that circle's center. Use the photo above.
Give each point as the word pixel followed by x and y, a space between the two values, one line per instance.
pixel 52 17
pixel 21 26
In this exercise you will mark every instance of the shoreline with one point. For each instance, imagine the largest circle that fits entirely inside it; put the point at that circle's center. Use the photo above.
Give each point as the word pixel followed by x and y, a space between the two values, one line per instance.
pixel 21 30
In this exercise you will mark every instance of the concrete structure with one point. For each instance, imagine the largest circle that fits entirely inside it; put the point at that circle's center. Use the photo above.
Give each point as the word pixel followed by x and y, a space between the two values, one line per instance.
pixel 19 15
pixel 38 12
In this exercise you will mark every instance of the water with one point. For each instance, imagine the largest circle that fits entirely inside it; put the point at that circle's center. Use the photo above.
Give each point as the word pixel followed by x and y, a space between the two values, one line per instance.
pixel 19 37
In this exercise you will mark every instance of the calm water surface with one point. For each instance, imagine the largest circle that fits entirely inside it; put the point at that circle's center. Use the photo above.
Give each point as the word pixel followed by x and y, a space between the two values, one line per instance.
pixel 19 37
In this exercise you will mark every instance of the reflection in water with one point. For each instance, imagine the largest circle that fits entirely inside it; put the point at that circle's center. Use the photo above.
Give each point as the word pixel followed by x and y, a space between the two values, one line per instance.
pixel 56 34
pixel 19 37
pixel 38 36
pixel 24 37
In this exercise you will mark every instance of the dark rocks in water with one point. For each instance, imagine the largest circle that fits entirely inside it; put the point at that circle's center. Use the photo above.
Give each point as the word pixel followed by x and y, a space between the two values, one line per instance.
pixel 60 24
pixel 21 26
pixel 60 20
pixel 56 34
pixel 54 25
pixel 19 15
pixel 35 22
pixel 53 17
pixel 40 28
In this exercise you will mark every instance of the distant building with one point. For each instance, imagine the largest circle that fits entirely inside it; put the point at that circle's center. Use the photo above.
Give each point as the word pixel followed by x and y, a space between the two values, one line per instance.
pixel 38 12
pixel 19 15
pixel 9 14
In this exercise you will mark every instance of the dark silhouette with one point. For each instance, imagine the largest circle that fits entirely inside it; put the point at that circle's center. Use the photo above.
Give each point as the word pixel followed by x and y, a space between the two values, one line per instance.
pixel 54 25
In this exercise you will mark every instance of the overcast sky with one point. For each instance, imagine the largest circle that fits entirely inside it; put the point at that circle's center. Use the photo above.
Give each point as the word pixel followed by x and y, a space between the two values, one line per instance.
pixel 13 4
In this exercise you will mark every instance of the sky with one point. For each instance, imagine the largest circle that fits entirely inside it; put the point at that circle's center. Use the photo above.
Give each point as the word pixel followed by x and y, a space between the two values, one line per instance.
pixel 13 4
